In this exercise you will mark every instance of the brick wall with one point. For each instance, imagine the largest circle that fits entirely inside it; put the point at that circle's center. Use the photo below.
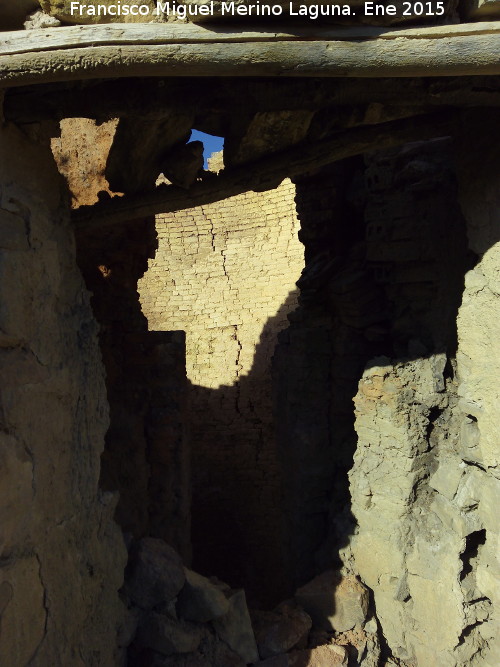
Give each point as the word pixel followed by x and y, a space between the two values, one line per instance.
pixel 225 273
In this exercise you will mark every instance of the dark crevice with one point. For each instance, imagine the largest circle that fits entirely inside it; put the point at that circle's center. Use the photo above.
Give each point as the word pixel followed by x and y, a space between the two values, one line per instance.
pixel 466 632
pixel 475 464
pixel 434 414
pixel 473 542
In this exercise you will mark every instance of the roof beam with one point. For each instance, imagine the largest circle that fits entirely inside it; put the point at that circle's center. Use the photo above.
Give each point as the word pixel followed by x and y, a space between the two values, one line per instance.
pixel 103 100
pixel 265 173
pixel 117 50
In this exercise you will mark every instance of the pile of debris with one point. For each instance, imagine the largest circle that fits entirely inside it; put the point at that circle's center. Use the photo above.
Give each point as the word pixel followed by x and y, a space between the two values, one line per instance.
pixel 178 618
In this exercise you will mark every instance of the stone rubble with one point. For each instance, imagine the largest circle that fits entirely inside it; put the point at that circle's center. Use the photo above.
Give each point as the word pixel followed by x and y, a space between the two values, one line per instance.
pixel 280 630
pixel 40 19
pixel 334 602
pixel 235 627
pixel 157 574
pixel 200 600
pixel 179 618
pixel 168 636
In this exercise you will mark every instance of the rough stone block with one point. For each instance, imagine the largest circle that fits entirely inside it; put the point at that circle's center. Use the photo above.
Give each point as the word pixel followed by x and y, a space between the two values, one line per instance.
pixel 334 602
pixel 453 519
pixel 280 630
pixel 167 636
pixel 488 569
pixel 157 575
pixel 235 627
pixel 490 499
pixel 447 477
pixel 200 600
pixel 434 601
pixel 22 611
pixel 328 655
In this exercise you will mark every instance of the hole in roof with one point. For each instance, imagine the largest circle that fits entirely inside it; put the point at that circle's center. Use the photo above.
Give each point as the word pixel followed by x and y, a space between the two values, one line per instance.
pixel 211 144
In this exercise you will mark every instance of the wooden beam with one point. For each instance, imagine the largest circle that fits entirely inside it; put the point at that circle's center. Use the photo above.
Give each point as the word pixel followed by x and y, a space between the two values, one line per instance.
pixel 265 173
pixel 133 34
pixel 123 98
pixel 103 51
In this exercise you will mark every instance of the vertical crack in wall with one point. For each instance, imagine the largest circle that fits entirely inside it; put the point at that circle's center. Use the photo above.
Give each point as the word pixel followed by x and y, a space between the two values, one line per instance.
pixel 32 660
pixel 223 254
pixel 239 347
pixel 239 368
pixel 204 216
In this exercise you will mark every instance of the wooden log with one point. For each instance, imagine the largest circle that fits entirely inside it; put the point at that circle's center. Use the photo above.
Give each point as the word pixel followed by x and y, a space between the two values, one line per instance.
pixel 140 97
pixel 142 34
pixel 265 173
pixel 85 52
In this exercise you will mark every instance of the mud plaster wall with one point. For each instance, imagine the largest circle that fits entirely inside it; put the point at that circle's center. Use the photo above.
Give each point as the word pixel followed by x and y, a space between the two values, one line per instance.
pixel 61 555
pixel 317 364
pixel 418 521
pixel 146 455
pixel 426 476
pixel 478 361
pixel 225 274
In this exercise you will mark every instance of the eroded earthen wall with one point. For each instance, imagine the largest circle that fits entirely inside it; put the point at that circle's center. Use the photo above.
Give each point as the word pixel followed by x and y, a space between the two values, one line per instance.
pixel 317 365
pixel 61 555
pixel 146 456
pixel 476 465
pixel 225 273
pixel 425 477
pixel 418 524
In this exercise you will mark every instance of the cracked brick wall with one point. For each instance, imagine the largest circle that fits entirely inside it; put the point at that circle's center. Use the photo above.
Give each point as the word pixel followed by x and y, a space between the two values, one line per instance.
pixel 225 273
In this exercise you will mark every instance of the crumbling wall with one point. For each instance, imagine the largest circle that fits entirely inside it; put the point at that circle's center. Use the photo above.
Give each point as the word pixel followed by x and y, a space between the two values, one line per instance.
pixel 425 477
pixel 478 367
pixel 146 456
pixel 418 524
pixel 225 274
pixel 383 290
pixel 210 277
pixel 62 556
pixel 317 365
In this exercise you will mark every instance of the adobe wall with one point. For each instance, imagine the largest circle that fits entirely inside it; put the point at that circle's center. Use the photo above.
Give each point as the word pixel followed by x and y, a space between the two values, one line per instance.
pixel 225 273
pixel 146 456
pixel 413 298
pixel 398 310
pixel 478 364
pixel 426 477
pixel 61 555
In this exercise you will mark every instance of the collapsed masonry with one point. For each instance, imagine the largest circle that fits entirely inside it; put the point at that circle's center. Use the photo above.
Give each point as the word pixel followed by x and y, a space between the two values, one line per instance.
pixel 387 509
